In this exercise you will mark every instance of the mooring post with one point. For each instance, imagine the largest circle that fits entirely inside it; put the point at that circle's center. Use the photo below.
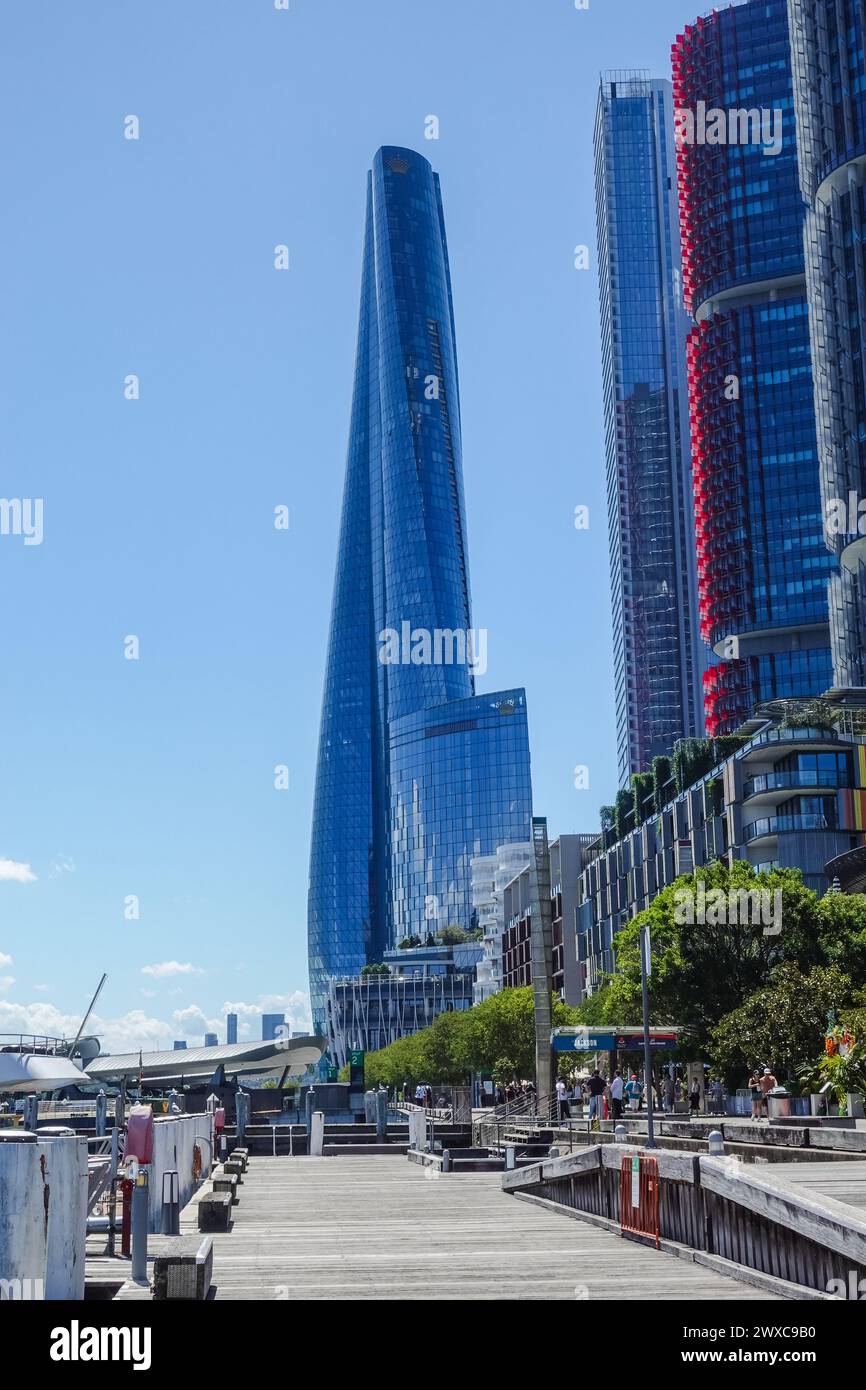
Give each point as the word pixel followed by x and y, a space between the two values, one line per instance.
pixel 381 1116
pixel 317 1134
pixel 101 1114
pixel 170 1203
pixel 139 1226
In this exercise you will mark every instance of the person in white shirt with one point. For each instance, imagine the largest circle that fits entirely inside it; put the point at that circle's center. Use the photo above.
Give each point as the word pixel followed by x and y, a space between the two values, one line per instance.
pixel 561 1095
pixel 616 1087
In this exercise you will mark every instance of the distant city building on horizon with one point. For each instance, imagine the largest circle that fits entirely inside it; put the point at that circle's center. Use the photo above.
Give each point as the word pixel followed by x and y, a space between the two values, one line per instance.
pixel 211 1040
pixel 270 1024
pixel 657 653
pixel 180 1044
pixel 416 771
pixel 231 1028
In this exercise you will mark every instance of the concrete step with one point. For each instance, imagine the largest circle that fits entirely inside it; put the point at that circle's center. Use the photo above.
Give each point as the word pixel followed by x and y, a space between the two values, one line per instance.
pixel 364 1150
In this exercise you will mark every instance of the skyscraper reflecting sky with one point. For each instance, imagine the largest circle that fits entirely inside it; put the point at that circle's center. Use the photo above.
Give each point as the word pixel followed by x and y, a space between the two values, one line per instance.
pixel 401 639
pixel 658 658
pixel 762 563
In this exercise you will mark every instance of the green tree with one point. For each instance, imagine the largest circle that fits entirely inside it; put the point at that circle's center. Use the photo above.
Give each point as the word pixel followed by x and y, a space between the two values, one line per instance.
pixel 704 970
pixel 782 1024
pixel 456 936
pixel 842 920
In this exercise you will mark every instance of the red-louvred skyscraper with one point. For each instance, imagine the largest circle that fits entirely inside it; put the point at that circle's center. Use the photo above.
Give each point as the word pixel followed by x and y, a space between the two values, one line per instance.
pixel 762 564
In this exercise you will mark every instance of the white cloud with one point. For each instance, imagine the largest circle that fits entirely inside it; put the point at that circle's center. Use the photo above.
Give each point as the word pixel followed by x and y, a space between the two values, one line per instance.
pixel 5 960
pixel 163 970
pixel 137 1029
pixel 6 982
pixel 11 872
pixel 42 989
pixel 127 1033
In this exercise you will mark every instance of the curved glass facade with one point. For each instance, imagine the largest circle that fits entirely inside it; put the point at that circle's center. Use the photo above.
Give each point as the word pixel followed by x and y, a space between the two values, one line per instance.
pixel 400 637
pixel 827 42
pixel 762 565
pixel 460 787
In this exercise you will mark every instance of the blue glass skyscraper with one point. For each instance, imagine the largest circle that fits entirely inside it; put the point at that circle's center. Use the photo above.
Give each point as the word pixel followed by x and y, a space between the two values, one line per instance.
pixel 401 640
pixel 658 656
pixel 762 564
pixel 828 40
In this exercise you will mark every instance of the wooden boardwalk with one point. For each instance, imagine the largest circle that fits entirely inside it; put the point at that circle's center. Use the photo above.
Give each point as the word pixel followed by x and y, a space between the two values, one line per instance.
pixel 842 1183
pixel 382 1228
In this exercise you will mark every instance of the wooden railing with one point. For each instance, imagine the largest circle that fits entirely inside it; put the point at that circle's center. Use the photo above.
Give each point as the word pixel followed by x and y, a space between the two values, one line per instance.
pixel 719 1206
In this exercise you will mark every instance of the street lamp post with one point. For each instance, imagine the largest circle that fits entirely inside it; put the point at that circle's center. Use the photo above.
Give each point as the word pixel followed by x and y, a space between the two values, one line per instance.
pixel 645 968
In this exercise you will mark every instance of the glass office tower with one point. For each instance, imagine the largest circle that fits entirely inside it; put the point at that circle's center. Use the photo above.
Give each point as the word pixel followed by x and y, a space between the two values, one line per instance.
pixel 762 564
pixel 658 657
pixel 401 639
pixel 827 42
pixel 460 787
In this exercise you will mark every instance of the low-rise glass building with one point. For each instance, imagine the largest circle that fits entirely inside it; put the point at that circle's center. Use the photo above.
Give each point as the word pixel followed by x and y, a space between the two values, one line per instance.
pixel 371 1011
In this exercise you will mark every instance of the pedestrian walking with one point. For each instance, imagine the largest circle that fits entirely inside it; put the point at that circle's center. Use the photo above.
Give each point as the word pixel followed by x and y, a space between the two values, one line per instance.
pixel 669 1094
pixel 562 1098
pixel 616 1090
pixel 755 1093
pixel 634 1091
pixel 694 1097
pixel 596 1088
pixel 768 1084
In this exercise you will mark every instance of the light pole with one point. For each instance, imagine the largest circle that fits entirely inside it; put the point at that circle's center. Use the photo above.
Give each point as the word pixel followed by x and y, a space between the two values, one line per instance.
pixel 645 968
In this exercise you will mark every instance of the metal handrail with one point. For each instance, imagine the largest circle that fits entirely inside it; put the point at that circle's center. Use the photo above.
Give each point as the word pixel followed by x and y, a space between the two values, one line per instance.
pixel 32 1042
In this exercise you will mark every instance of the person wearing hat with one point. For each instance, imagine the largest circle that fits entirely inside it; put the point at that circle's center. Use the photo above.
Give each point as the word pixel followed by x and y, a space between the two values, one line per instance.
pixel 768 1083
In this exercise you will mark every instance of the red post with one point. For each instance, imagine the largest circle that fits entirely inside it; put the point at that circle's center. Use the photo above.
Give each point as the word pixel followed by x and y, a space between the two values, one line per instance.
pixel 126 1220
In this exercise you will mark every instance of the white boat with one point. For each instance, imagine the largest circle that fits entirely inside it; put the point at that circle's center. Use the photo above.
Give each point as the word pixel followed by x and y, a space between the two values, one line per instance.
pixel 26 1072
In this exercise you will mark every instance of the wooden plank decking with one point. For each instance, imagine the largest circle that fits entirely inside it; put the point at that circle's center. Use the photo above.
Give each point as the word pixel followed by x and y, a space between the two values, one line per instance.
pixel 843 1183
pixel 382 1228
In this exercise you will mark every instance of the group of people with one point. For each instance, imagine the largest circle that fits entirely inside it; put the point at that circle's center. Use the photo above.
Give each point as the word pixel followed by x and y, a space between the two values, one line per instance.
pixel 609 1098
pixel 761 1083
pixel 604 1098
pixel 515 1090
pixel 422 1095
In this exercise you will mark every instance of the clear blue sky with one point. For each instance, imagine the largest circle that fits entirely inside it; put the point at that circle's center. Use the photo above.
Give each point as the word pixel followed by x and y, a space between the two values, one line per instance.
pixel 155 777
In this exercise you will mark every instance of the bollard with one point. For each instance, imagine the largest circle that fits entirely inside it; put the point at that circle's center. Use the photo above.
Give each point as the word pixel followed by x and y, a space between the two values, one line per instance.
pixel 716 1143
pixel 446 1161
pixel 509 1156
pixel 370 1107
pixel 620 1134
pixel 381 1115
pixel 139 1227
pixel 553 1151
pixel 31 1113
pixel 170 1203
pixel 242 1115
pixel 309 1101
pixel 126 1216
pixel 101 1114
pixel 317 1134
pixel 417 1130
pixel 224 1148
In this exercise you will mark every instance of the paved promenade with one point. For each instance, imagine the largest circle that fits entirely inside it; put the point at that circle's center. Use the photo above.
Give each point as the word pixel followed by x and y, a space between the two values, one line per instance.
pixel 380 1228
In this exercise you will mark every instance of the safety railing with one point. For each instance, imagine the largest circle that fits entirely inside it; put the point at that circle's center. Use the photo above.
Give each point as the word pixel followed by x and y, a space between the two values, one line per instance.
pixel 639 1196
